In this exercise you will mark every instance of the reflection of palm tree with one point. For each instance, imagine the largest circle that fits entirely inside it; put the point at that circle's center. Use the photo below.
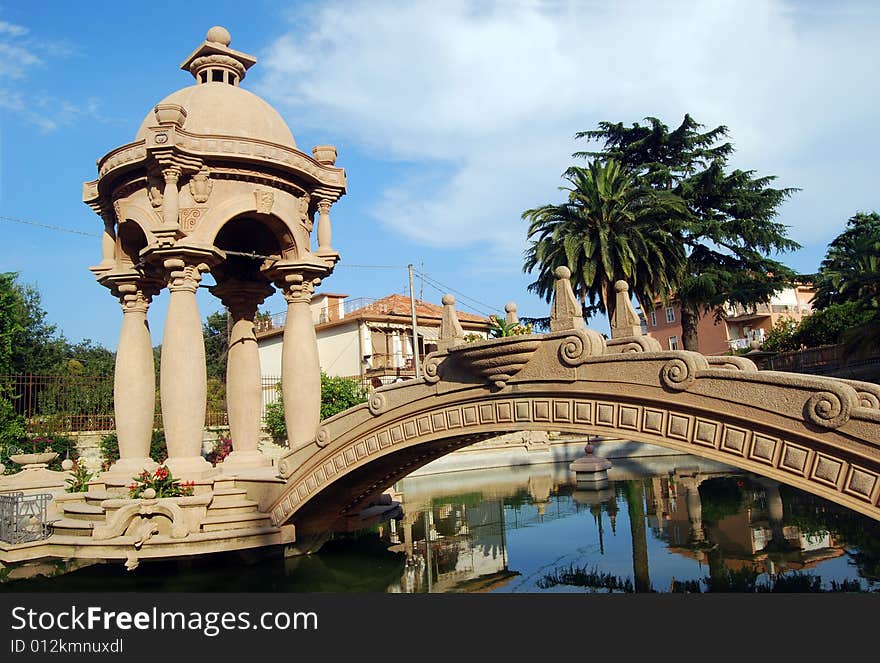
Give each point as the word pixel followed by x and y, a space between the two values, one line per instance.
pixel 635 499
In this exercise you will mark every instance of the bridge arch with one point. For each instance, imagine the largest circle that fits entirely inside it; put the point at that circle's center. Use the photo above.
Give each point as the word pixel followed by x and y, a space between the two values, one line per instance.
pixel 818 434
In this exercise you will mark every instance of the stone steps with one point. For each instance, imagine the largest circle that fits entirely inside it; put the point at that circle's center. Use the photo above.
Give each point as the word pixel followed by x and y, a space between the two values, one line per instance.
pixel 82 511
pixel 71 527
pixel 237 508
pixel 235 521
pixel 224 497
pixel 97 496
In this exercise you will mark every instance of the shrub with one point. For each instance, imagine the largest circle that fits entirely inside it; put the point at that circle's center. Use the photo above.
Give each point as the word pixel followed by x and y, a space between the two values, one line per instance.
pixel 78 482
pixel 12 429
pixel 337 394
pixel 110 448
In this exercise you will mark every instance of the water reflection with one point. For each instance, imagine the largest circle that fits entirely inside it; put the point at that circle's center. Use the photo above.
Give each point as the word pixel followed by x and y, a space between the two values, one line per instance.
pixel 669 525
pixel 663 524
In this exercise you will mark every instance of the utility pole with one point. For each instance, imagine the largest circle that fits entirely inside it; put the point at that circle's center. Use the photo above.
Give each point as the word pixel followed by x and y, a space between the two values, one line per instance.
pixel 415 325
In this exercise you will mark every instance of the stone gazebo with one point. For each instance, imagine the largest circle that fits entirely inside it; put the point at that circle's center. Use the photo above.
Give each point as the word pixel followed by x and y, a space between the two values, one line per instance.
pixel 213 182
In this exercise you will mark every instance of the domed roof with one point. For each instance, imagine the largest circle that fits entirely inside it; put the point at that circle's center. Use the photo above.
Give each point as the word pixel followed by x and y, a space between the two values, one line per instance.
pixel 221 109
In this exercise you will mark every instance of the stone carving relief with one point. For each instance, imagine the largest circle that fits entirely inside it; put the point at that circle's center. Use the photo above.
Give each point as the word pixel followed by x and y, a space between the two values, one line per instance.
pixel 200 185
pixel 189 218
pixel 155 185
pixel 303 208
pixel 265 201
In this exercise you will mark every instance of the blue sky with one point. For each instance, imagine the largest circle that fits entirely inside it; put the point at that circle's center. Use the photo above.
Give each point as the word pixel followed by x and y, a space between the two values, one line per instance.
pixel 450 119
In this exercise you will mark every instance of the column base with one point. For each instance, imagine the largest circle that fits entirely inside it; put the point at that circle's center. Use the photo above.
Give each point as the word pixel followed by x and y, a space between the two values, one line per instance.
pixel 126 469
pixel 244 460
pixel 189 468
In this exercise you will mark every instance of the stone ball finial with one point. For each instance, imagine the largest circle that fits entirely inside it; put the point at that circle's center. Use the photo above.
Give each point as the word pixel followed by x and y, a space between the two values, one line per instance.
pixel 510 307
pixel 562 272
pixel 219 35
pixel 621 286
pixel 448 300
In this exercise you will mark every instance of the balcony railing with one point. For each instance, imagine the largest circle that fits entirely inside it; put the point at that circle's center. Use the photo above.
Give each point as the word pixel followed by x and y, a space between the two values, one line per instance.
pixel 757 310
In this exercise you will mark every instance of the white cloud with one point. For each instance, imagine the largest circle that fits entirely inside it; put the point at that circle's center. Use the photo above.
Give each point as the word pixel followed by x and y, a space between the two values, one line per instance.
pixel 485 97
pixel 20 56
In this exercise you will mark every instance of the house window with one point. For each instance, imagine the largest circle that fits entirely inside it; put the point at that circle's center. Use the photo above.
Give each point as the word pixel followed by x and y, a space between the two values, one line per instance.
pixel 670 314
pixel 653 318
pixel 673 342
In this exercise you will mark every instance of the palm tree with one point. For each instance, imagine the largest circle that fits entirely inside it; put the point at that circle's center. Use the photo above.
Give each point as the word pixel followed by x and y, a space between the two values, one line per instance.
pixel 850 272
pixel 611 228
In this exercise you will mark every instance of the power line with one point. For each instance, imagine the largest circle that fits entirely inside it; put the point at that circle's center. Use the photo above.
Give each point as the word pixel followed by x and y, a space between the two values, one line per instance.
pixel 481 307
pixel 47 226
pixel 437 285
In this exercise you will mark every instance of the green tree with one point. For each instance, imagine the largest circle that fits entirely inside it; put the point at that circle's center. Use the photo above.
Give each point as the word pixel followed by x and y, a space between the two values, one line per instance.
pixel 28 342
pixel 216 334
pixel 730 232
pixel 612 227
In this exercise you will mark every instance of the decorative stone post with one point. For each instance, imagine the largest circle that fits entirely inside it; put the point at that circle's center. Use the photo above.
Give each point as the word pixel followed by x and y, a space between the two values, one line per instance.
pixel 565 312
pixel 134 383
pixel 244 391
pixel 510 314
pixel 625 321
pixel 451 332
pixel 183 375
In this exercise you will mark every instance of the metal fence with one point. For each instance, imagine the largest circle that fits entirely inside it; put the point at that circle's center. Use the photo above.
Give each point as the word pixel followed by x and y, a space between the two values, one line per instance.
pixel 72 403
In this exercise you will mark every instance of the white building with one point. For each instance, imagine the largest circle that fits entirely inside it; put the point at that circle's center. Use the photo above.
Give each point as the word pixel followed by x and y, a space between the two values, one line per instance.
pixel 364 338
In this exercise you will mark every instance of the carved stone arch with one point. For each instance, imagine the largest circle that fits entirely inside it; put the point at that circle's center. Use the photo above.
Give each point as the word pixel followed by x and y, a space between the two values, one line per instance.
pixel 246 205
pixel 363 451
pixel 128 243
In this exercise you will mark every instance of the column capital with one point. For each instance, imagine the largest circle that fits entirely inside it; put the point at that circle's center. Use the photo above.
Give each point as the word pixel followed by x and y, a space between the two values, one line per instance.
pixel 129 285
pixel 297 280
pixel 295 288
pixel 183 275
pixel 134 299
pixel 323 205
pixel 171 174
pixel 180 267
pixel 242 298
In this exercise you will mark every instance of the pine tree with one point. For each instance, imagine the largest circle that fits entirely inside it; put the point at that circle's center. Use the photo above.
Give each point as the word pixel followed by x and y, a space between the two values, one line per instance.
pixel 730 234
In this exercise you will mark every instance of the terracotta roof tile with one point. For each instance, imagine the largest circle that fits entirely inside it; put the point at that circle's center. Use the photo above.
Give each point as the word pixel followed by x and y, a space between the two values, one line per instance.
pixel 400 305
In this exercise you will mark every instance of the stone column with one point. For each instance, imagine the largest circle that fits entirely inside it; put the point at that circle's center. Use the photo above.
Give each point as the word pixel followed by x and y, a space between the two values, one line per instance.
pixel 244 389
pixel 108 241
pixel 170 198
pixel 183 375
pixel 134 384
pixel 300 367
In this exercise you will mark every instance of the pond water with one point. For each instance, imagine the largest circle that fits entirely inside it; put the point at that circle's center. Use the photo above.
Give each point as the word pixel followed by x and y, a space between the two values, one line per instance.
pixel 663 524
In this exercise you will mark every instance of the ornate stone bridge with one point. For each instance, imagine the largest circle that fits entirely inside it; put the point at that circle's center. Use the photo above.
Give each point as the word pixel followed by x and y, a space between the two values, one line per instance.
pixel 819 434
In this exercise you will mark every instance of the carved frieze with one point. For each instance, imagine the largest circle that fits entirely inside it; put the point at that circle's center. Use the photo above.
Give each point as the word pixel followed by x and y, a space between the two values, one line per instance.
pixel 826 468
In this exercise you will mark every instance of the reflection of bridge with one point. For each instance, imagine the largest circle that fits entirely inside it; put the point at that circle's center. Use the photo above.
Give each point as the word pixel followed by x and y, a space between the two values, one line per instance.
pixel 818 434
